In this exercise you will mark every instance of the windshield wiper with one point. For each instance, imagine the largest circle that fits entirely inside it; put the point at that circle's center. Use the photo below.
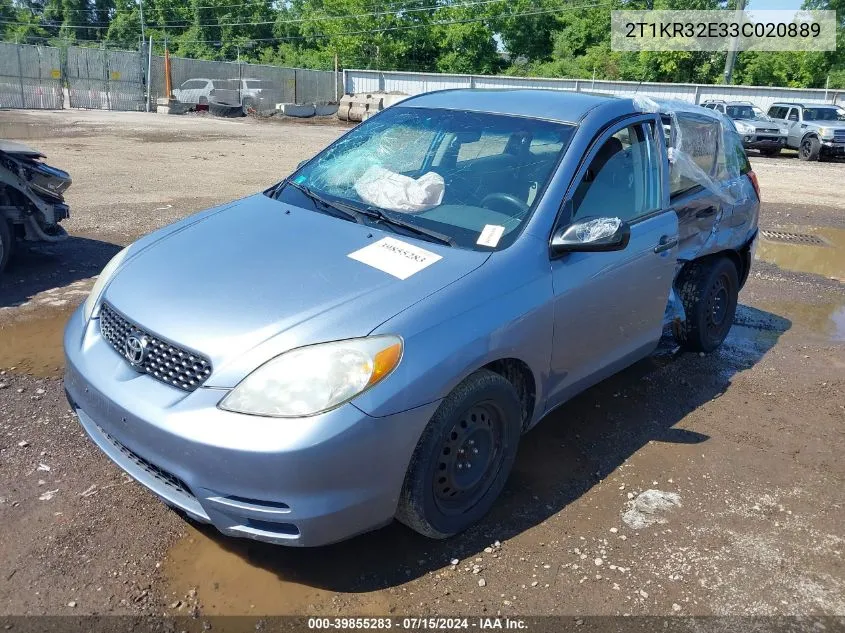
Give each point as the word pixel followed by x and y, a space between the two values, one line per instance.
pixel 380 216
pixel 335 209
pixel 354 213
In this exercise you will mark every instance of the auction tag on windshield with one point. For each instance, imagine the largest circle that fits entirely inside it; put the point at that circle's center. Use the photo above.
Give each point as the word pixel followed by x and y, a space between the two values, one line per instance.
pixel 491 235
pixel 395 257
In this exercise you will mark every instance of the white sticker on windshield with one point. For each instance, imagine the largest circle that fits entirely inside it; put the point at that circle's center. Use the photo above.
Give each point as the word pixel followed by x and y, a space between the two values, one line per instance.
pixel 395 257
pixel 491 235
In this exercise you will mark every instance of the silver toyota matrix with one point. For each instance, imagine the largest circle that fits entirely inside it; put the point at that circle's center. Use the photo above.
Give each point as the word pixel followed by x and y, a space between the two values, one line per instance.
pixel 369 338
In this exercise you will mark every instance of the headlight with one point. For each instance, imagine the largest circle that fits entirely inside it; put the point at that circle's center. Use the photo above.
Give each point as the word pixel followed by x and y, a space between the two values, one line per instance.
pixel 744 128
pixel 101 282
pixel 826 132
pixel 314 379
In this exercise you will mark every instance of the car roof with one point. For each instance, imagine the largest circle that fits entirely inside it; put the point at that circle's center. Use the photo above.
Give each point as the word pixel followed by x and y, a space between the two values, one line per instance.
pixel 565 106
pixel 804 105
pixel 728 102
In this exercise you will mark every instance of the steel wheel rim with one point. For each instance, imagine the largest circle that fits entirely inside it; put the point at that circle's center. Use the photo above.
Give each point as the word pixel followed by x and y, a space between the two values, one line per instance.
pixel 717 305
pixel 470 456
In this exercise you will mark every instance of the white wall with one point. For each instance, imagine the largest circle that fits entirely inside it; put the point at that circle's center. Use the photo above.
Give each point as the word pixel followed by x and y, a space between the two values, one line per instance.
pixel 364 81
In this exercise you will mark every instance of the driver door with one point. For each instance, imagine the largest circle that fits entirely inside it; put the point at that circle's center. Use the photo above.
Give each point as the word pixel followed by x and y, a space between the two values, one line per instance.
pixel 609 306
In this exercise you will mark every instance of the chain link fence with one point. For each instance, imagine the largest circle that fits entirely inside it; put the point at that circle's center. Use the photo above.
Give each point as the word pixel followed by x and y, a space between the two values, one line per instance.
pixel 48 77
pixel 104 80
pixel 253 85
pixel 30 77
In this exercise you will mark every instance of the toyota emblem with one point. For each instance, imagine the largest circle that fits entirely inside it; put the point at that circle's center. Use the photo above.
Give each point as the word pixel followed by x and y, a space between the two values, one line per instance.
pixel 135 349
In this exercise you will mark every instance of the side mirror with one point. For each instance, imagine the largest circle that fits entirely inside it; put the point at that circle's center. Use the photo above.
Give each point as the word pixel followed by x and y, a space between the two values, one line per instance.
pixel 591 235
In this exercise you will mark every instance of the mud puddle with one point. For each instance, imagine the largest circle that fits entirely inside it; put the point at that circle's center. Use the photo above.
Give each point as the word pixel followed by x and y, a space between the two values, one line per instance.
pixel 241 577
pixel 34 345
pixel 825 318
pixel 827 261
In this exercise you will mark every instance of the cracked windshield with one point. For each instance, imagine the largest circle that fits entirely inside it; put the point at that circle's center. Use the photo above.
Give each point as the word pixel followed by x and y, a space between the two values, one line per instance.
pixel 455 173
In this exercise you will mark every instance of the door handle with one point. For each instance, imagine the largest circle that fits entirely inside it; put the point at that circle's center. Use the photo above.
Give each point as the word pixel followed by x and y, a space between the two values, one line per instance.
pixel 666 243
pixel 706 212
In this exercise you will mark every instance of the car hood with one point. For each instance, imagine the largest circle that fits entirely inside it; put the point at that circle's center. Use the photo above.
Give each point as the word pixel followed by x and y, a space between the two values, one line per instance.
pixel 761 125
pixel 261 269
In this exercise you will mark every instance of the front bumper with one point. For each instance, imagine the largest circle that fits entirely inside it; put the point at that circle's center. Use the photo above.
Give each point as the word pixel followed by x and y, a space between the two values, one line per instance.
pixel 310 481
pixel 833 148
pixel 754 141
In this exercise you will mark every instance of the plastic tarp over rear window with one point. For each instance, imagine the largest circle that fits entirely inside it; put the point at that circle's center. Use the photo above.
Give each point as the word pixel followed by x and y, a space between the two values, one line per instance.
pixel 700 152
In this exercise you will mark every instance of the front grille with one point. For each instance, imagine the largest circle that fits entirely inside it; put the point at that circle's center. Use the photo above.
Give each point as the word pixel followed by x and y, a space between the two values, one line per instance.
pixel 839 136
pixel 169 480
pixel 164 361
pixel 768 131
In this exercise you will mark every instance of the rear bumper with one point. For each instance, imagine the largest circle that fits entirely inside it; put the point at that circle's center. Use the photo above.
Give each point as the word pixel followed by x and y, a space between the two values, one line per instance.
pixel 305 482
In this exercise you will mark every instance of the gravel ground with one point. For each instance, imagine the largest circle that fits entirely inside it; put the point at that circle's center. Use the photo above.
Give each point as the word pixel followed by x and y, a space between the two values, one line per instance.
pixel 684 485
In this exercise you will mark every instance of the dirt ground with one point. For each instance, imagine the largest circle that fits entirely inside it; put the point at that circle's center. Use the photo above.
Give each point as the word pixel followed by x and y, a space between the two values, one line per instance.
pixel 685 485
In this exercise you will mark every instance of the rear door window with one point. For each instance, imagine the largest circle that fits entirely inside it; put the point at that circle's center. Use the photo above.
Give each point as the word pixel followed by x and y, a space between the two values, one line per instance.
pixel 700 140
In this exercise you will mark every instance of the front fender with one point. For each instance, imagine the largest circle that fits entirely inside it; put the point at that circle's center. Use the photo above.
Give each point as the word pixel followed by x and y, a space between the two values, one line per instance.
pixel 501 310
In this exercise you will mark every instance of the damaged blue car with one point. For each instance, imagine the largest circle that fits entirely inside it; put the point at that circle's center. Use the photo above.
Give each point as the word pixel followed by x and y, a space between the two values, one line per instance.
pixel 369 338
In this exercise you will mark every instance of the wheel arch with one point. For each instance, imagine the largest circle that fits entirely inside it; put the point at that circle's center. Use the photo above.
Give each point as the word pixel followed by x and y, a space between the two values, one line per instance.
pixel 741 259
pixel 520 375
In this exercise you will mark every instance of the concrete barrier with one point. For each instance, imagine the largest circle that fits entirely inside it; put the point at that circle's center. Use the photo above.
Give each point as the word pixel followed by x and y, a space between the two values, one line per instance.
pixel 360 107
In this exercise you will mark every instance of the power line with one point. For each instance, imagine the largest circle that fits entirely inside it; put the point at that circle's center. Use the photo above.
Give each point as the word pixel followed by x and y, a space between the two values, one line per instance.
pixel 271 5
pixel 395 28
pixel 188 24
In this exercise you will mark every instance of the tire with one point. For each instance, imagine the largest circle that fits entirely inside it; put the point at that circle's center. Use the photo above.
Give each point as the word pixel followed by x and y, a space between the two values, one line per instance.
pixel 770 152
pixel 225 110
pixel 809 149
pixel 7 243
pixel 709 292
pixel 440 497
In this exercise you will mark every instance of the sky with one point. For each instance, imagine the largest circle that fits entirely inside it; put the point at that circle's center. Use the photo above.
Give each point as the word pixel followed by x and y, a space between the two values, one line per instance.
pixel 774 4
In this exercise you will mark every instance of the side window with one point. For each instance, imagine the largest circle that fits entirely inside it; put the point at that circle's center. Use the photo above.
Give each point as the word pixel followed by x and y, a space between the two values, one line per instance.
pixel 720 108
pixel 700 147
pixel 623 179
pixel 793 114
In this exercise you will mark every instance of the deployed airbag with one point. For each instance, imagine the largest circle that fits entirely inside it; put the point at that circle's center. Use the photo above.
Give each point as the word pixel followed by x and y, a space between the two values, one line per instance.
pixel 387 189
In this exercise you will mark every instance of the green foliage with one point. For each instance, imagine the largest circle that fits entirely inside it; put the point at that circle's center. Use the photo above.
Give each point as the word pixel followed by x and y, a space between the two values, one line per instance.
pixel 547 38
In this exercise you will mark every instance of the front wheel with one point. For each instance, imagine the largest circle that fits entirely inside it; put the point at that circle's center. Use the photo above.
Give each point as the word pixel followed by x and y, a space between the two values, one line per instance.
pixel 464 457
pixel 709 291
pixel 810 149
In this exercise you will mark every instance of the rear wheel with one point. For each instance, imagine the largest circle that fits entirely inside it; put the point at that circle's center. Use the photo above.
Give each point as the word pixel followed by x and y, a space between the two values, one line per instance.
pixel 810 149
pixel 464 457
pixel 7 242
pixel 709 292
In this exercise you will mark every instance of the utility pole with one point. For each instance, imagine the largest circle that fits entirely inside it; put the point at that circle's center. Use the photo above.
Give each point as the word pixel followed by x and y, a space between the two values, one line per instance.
pixel 141 8
pixel 731 59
